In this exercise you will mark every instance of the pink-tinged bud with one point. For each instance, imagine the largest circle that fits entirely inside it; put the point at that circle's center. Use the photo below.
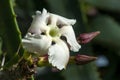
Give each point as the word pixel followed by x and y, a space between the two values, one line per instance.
pixel 84 59
pixel 87 37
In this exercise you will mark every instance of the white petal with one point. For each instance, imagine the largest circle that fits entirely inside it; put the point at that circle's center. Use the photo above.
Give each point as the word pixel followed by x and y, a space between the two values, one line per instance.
pixel 68 32
pixel 63 20
pixel 39 23
pixel 59 55
pixel 36 44
pixel 53 20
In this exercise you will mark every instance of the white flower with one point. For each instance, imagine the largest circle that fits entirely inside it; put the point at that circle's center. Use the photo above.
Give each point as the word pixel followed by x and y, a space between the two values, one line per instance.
pixel 45 36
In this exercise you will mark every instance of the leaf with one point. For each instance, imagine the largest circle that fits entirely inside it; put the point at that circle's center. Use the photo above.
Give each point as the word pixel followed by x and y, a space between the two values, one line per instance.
pixel 72 70
pixel 113 5
pixel 110 31
pixel 80 72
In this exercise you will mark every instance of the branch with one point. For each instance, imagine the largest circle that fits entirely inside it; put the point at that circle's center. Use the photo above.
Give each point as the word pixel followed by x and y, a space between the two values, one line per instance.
pixel 10 32
pixel 78 59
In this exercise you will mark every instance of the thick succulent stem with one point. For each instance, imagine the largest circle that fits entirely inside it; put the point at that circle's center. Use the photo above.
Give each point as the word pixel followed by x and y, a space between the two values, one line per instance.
pixel 11 37
pixel 9 30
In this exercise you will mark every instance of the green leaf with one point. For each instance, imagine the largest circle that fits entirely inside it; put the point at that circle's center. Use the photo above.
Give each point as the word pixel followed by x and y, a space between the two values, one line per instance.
pixel 80 72
pixel 110 31
pixel 106 4
pixel 72 70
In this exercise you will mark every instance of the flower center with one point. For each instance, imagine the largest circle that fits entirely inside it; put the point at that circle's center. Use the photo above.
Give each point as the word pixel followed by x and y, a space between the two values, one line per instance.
pixel 54 32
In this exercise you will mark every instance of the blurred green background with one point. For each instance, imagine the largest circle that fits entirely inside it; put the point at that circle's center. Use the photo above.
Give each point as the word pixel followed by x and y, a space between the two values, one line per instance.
pixel 91 15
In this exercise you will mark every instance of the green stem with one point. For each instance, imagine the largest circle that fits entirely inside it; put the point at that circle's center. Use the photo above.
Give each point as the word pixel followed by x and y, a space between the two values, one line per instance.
pixel 32 77
pixel 78 59
pixel 83 13
pixel 10 32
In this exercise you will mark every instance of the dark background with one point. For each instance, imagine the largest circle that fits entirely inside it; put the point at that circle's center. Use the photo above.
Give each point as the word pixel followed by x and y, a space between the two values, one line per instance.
pixel 91 15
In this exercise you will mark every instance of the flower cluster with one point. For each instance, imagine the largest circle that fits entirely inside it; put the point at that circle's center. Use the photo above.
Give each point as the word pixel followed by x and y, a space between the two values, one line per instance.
pixel 53 35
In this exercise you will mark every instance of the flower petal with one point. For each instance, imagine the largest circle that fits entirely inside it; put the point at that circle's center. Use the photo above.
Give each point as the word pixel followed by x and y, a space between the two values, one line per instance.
pixel 62 20
pixel 38 44
pixel 59 55
pixel 39 23
pixel 53 20
pixel 68 32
